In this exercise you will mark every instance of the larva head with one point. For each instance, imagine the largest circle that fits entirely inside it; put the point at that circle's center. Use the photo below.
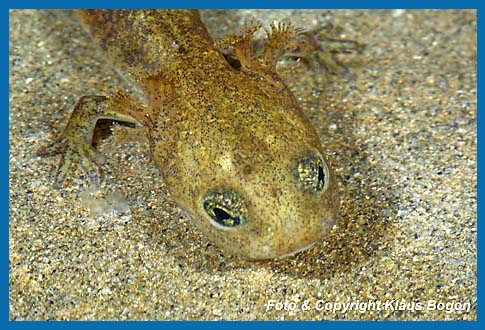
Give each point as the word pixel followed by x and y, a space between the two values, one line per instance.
pixel 249 170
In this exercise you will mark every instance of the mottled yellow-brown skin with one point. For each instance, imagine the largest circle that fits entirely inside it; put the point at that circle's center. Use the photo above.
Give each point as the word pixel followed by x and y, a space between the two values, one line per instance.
pixel 231 143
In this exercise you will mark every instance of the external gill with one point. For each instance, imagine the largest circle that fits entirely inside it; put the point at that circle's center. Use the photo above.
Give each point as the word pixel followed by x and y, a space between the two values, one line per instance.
pixel 280 39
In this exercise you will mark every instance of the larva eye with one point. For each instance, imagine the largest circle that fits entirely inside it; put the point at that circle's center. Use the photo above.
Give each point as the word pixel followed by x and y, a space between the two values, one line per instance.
pixel 225 208
pixel 311 173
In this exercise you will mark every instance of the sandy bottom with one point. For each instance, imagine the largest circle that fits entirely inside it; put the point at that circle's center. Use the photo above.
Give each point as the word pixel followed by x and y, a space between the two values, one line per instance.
pixel 401 136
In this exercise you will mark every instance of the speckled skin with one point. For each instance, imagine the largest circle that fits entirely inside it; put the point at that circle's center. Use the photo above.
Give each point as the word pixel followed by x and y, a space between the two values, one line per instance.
pixel 231 142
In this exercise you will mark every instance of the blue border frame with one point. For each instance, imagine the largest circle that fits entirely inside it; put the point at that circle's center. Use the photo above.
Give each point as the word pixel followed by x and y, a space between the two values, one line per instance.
pixel 4 25
pixel 309 4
